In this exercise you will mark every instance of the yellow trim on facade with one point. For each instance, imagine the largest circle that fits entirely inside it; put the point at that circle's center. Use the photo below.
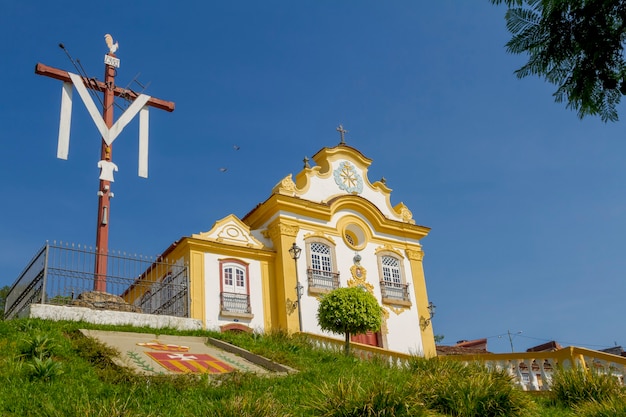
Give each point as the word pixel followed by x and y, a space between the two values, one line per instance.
pixel 283 234
pixel 320 235
pixel 325 156
pixel 193 251
pixel 303 182
pixel 344 224
pixel 415 256
pixel 325 211
pixel 197 292
pixel 388 248
pixel 268 301
pixel 324 160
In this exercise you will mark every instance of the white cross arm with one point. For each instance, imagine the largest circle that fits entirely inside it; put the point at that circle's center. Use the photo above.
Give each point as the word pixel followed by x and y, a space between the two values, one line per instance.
pixel 108 134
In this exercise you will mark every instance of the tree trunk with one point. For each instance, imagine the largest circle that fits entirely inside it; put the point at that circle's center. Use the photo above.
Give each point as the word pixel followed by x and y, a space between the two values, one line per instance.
pixel 346 347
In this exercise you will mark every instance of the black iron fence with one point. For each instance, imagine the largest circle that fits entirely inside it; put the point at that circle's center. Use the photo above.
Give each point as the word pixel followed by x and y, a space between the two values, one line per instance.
pixel 63 274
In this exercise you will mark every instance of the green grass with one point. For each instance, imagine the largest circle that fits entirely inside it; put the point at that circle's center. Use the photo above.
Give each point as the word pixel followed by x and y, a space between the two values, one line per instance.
pixel 573 387
pixel 50 369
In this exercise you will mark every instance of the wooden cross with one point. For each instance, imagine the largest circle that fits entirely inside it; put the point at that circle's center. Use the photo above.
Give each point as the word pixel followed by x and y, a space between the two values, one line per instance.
pixel 109 131
pixel 342 132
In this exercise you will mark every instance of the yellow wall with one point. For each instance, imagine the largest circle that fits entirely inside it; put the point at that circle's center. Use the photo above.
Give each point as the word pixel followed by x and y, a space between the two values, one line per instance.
pixel 283 235
pixel 415 256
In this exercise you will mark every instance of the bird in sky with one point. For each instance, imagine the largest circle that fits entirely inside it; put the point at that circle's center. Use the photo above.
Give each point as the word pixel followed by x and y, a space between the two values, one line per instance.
pixel 112 46
pixel 223 169
pixel 235 147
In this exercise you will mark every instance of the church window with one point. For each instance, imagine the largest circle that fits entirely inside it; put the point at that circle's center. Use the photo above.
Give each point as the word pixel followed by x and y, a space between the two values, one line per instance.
pixel 392 281
pixel 391 270
pixel 353 235
pixel 320 258
pixel 234 294
pixel 321 272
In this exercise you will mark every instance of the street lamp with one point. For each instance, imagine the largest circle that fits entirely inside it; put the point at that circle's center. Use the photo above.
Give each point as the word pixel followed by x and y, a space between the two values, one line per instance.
pixel 425 322
pixel 295 251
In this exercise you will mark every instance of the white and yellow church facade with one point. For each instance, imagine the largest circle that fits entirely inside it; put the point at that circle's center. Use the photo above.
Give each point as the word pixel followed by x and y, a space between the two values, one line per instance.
pixel 242 275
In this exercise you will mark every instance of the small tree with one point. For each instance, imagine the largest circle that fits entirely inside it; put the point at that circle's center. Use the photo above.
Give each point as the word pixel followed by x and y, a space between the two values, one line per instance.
pixel 349 311
pixel 578 45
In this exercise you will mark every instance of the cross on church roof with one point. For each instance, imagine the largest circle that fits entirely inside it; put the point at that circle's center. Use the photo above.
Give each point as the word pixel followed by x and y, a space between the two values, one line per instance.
pixel 342 133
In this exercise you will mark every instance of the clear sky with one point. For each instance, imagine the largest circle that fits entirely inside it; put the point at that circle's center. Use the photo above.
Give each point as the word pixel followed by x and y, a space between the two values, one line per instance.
pixel 526 202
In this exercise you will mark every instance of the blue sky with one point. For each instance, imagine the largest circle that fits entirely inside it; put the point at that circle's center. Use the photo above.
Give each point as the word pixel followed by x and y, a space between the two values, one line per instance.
pixel 526 202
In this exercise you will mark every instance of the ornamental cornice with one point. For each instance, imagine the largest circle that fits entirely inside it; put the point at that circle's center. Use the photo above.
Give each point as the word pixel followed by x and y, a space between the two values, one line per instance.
pixel 320 235
pixel 388 248
pixel 415 255
pixel 282 229
pixel 286 186
pixel 366 285
pixel 404 213
pixel 397 310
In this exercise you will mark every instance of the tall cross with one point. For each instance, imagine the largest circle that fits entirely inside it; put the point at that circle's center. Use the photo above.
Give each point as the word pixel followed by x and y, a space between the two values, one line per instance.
pixel 342 132
pixel 109 132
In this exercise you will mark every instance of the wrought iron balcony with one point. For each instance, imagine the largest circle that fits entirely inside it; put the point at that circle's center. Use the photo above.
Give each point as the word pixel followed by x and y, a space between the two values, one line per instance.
pixel 324 280
pixel 235 303
pixel 394 291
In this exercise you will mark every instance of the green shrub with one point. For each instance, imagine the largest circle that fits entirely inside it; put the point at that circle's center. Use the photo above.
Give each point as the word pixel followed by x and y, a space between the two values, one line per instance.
pixel 38 346
pixel 467 390
pixel 351 398
pixel 44 369
pixel 575 386
pixel 611 407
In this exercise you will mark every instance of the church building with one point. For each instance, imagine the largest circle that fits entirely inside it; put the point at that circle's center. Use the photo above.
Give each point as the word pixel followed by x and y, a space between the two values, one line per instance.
pixel 243 275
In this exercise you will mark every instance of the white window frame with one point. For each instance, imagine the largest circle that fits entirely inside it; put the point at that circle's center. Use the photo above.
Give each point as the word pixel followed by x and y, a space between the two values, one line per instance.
pixel 324 268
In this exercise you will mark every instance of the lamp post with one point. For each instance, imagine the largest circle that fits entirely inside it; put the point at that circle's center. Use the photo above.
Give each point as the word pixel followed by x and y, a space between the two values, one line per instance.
pixel 424 322
pixel 295 251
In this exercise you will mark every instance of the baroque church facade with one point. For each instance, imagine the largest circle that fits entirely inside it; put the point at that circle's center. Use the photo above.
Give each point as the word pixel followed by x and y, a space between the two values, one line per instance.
pixel 243 276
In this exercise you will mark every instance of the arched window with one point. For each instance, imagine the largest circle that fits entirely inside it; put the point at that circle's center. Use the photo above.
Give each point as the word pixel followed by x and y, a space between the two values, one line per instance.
pixel 393 284
pixel 391 270
pixel 321 261
pixel 235 288
pixel 322 269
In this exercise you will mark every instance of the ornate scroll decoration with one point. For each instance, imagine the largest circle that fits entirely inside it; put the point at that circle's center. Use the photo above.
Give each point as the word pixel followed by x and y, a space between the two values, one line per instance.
pixel 286 186
pixel 347 178
pixel 359 276
pixel 320 235
pixel 291 306
pixel 405 213
pixel 397 310
pixel 388 248
pixel 384 329
pixel 415 255
pixel 282 229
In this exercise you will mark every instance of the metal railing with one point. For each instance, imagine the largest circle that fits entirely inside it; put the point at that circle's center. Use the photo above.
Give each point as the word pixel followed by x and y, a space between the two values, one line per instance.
pixel 322 279
pixel 394 290
pixel 235 303
pixel 63 274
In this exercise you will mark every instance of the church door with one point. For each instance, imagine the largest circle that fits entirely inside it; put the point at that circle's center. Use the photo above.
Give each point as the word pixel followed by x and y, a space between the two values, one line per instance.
pixel 369 338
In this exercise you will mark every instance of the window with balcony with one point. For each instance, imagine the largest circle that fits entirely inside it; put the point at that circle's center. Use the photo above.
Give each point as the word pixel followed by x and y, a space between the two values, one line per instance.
pixel 322 272
pixel 235 289
pixel 394 289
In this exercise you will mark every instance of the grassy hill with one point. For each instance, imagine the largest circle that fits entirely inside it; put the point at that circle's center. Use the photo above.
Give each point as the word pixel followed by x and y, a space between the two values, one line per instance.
pixel 50 369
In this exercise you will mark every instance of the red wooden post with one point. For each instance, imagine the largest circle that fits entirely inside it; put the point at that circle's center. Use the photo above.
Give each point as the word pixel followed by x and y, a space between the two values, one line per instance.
pixel 104 200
